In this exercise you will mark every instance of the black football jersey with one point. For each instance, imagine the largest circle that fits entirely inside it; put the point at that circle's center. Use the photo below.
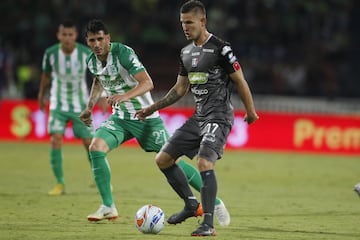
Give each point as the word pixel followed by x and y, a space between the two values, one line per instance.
pixel 208 68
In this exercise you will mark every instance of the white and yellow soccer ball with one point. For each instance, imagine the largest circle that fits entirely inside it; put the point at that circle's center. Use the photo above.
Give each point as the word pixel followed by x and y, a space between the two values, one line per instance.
pixel 150 219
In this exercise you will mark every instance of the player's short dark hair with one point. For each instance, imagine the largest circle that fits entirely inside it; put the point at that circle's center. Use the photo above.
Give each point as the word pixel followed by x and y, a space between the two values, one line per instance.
pixel 193 5
pixel 95 26
pixel 68 23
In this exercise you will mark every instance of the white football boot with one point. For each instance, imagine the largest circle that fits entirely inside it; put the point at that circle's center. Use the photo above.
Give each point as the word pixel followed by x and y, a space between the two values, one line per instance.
pixel 222 214
pixel 104 212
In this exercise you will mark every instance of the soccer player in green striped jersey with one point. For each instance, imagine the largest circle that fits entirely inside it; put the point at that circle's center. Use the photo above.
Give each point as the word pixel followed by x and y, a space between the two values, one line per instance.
pixel 64 68
pixel 117 70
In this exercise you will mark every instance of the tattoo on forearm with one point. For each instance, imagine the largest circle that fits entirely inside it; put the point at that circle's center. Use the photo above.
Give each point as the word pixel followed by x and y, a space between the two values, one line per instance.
pixel 92 102
pixel 95 94
pixel 171 97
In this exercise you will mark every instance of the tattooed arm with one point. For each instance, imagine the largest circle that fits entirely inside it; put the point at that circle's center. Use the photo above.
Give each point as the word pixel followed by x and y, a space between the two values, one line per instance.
pixel 175 93
pixel 95 93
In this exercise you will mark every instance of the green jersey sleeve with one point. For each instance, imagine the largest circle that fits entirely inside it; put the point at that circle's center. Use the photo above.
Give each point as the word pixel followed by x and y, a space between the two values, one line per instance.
pixel 129 60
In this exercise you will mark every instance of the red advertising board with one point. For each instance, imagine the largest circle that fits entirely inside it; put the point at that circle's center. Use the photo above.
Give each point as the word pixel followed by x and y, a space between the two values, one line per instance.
pixel 23 120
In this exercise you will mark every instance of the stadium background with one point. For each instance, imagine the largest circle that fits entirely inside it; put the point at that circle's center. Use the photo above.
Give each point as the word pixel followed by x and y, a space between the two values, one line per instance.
pixel 299 57
pixel 302 48
pixel 310 44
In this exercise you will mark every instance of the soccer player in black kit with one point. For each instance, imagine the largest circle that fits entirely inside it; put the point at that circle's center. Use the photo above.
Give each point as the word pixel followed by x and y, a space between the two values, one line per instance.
pixel 209 69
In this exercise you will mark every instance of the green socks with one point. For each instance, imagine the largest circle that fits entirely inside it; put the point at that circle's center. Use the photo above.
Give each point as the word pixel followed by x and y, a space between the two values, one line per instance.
pixel 193 176
pixel 56 159
pixel 89 158
pixel 102 176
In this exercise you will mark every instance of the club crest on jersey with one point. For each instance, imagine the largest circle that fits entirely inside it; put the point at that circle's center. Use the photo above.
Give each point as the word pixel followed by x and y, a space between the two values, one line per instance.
pixel 194 62
pixel 112 69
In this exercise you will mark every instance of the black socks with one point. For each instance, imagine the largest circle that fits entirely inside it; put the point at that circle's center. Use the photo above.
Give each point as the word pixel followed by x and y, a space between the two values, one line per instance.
pixel 208 195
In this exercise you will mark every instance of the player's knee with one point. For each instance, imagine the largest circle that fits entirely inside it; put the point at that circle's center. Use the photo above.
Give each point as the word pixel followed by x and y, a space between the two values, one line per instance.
pixel 86 143
pixel 164 160
pixel 98 145
pixel 56 140
pixel 204 164
pixel 206 158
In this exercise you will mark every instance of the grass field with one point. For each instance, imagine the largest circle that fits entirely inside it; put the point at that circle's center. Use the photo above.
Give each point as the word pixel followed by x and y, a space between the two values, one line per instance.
pixel 269 195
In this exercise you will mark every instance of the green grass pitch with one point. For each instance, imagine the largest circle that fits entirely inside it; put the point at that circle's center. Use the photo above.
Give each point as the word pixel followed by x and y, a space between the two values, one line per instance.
pixel 269 195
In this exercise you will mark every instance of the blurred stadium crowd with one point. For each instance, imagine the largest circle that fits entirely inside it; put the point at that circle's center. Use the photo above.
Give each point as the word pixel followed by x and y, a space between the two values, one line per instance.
pixel 301 48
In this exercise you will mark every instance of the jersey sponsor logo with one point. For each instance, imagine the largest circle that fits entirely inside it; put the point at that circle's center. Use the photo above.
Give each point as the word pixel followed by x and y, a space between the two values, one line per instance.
pixel 199 91
pixel 209 50
pixel 228 51
pixel 198 77
pixel 195 54
pixel 118 82
pixel 236 66
pixel 194 62
pixel 232 59
pixel 186 51
pixel 225 50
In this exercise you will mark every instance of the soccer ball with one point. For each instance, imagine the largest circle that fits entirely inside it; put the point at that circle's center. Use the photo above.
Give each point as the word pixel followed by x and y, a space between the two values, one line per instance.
pixel 150 219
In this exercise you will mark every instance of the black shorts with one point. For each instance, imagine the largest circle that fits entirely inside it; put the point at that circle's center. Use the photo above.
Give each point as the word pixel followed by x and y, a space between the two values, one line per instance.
pixel 191 140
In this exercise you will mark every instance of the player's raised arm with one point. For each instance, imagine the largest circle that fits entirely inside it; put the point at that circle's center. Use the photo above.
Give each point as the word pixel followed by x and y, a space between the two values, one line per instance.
pixel 145 84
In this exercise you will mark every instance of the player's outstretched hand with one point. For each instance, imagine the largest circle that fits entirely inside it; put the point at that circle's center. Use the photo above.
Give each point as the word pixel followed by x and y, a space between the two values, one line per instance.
pixel 85 117
pixel 143 113
pixel 251 117
pixel 117 98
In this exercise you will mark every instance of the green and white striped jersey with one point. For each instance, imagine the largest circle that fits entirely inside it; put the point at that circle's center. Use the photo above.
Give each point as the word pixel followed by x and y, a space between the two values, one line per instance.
pixel 69 91
pixel 116 77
